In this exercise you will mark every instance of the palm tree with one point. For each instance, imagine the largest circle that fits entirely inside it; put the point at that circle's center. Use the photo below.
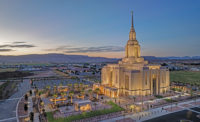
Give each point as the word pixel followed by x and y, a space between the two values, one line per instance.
pixel 63 94
pixel 71 95
pixel 69 85
pixel 86 86
pixel 48 87
pixel 76 85
pixel 55 96
pixel 90 92
pixel 83 93
pixel 60 84
pixel 134 98
pixel 55 88
pixel 81 85
pixel 97 90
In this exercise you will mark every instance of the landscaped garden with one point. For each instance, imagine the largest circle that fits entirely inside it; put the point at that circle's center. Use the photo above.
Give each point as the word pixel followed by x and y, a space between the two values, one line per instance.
pixel 114 108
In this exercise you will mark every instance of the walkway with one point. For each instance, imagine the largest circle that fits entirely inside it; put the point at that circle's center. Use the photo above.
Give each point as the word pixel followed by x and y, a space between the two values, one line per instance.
pixel 157 112
pixel 8 106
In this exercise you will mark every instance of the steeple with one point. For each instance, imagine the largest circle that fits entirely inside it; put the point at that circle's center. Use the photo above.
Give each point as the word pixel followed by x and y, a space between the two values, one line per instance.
pixel 132 47
pixel 132 34
pixel 132 26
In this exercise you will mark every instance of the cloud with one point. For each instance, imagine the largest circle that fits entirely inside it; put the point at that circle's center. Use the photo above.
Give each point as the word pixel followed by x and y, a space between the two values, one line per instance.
pixel 23 46
pixel 19 42
pixel 60 48
pixel 69 49
pixel 6 50
pixel 17 45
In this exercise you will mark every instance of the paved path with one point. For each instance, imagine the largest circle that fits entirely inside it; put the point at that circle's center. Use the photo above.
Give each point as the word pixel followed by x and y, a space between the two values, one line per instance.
pixel 36 117
pixel 157 112
pixel 10 99
pixel 8 106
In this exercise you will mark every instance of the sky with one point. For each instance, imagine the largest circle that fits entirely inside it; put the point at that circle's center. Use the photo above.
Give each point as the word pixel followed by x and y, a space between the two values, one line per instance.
pixel 99 27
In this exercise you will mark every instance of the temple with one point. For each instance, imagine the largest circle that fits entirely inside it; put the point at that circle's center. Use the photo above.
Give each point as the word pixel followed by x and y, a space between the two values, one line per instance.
pixel 133 75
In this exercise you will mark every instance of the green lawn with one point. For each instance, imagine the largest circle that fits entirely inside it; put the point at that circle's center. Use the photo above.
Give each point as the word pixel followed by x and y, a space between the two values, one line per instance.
pixel 115 108
pixel 8 70
pixel 185 77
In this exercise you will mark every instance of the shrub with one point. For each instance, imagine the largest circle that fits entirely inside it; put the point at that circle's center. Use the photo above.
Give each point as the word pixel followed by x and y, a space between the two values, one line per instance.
pixel 158 96
pixel 170 100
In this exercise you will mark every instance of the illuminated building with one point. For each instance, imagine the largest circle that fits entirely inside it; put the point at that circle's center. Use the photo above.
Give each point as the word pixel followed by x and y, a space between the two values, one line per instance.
pixel 133 75
pixel 84 105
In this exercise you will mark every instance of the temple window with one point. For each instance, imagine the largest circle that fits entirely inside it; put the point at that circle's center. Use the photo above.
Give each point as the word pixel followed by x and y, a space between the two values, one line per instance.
pixel 146 78
pixel 126 82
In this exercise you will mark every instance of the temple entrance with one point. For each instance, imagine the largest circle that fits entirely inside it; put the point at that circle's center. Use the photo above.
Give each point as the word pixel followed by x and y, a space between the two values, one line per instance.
pixel 126 93
pixel 154 85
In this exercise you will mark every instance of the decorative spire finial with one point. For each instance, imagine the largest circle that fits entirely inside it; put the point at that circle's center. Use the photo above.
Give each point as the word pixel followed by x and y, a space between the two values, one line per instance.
pixel 132 18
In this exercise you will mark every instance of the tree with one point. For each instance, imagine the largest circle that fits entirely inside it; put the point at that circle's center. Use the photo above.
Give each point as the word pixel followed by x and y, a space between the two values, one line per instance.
pixel 90 92
pixel 41 103
pixel 134 98
pixel 30 92
pixel 69 85
pixel 71 95
pixel 83 93
pixel 25 107
pixel 55 88
pixel 76 85
pixel 45 115
pixel 95 105
pixel 31 116
pixel 55 96
pixel 26 97
pixel 81 86
pixel 63 94
pixel 48 87
pixel 61 84
pixel 86 86
pixel 48 90
pixel 97 90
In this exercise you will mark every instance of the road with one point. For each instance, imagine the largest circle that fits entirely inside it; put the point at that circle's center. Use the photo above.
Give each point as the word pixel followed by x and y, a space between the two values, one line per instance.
pixel 8 106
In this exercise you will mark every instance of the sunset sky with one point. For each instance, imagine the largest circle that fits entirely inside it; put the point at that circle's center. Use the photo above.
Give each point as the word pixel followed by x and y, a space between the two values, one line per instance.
pixel 99 27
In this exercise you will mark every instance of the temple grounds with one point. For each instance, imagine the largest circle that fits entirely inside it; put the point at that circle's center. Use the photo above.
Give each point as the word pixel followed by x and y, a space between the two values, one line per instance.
pixel 69 100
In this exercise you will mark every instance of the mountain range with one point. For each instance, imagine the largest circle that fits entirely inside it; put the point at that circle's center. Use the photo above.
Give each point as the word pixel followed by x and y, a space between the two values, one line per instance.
pixel 62 58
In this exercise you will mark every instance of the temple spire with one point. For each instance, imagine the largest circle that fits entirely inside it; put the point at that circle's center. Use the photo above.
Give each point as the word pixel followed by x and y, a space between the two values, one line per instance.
pixel 132 18
pixel 132 34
